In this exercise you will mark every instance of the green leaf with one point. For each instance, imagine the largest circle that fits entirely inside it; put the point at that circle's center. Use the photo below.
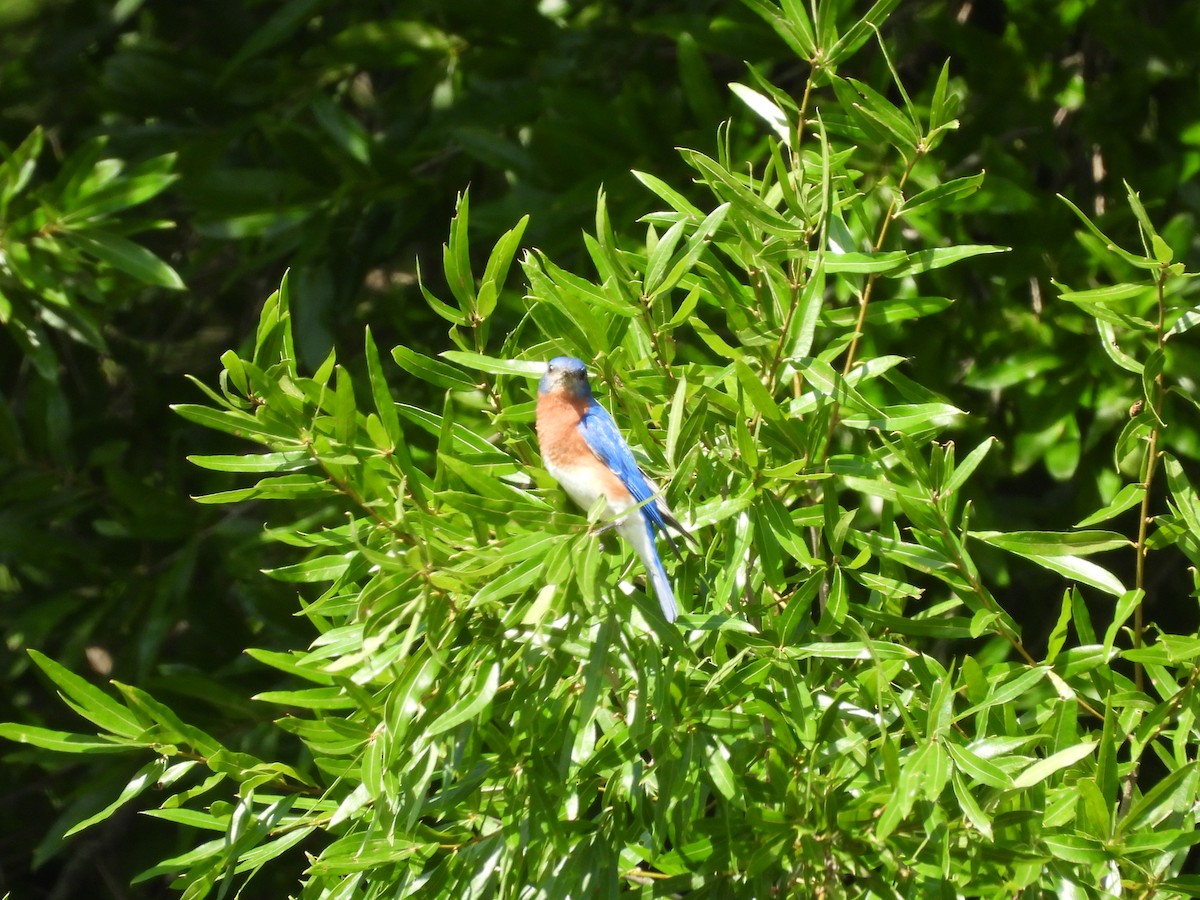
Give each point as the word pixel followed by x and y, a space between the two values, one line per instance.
pixel 321 568
pixel 906 418
pixel 1185 321
pixel 471 703
pixel 1081 570
pixel 146 777
pixel 456 259
pixel 18 168
pixel 431 370
pixel 927 260
pixel 283 461
pixel 1044 768
pixel 1111 295
pixel 1140 262
pixel 884 261
pixel 496 271
pixel 758 395
pixel 881 650
pixel 946 191
pixel 89 701
pixel 676 200
pixel 793 25
pixel 692 251
pixel 976 767
pixel 766 110
pixel 1108 341
pixel 58 741
pixel 660 257
pixel 445 310
pixel 122 253
pixel 886 312
pixel 1171 795
pixel 1182 493
pixel 494 365
pixel 894 124
pixel 858 33
pixel 1054 543
pixel 1128 497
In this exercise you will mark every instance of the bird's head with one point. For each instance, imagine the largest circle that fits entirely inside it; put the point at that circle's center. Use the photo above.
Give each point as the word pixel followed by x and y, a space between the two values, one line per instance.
pixel 568 374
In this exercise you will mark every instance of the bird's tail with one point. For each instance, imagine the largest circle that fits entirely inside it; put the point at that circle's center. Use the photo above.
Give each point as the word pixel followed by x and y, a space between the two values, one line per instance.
pixel 638 530
pixel 662 586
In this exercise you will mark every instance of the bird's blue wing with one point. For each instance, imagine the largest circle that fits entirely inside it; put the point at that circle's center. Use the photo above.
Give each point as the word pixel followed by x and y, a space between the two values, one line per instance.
pixel 602 436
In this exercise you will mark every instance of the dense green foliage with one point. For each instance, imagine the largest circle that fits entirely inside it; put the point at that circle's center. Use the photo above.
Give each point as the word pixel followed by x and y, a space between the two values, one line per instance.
pixel 910 663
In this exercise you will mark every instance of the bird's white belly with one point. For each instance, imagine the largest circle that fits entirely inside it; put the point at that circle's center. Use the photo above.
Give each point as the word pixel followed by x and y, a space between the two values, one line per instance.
pixel 582 486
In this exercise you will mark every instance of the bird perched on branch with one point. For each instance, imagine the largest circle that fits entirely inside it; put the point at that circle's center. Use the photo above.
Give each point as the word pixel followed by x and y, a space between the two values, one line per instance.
pixel 585 453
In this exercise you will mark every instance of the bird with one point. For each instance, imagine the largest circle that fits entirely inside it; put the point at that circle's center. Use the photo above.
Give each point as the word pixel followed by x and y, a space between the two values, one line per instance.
pixel 584 452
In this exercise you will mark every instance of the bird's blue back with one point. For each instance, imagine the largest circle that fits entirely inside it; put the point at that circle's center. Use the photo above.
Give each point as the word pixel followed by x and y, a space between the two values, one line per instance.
pixel 601 434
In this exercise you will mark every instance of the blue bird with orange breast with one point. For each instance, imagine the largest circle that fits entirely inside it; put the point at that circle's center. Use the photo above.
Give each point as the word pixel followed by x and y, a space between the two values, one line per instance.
pixel 585 453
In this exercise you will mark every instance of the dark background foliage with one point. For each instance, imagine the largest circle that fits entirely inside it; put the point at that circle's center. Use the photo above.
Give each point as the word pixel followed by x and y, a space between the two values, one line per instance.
pixel 333 138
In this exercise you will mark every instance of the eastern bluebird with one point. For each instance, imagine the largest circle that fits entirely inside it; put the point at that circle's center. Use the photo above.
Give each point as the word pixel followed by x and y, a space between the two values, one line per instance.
pixel 585 453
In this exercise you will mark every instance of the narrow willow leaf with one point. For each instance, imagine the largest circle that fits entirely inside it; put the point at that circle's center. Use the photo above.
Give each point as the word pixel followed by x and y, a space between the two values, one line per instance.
pixel 1112 294
pixel 1171 795
pixel 942 193
pixel 456 259
pixel 1081 570
pixel 766 110
pixel 658 254
pixel 941 108
pixel 895 124
pixel 493 365
pixel 1186 321
pixel 971 808
pixel 235 422
pixel 431 370
pixel 966 468
pixel 976 767
pixel 854 650
pixel 1058 634
pixel 1127 603
pixel 1182 492
pixel 793 26
pixel 89 701
pixel 1128 497
pixel 887 312
pixel 498 264
pixel 715 342
pixel 122 253
pixel 1161 249
pixel 757 393
pixel 677 201
pixel 927 260
pixel 1000 695
pixel 282 487
pixel 146 777
pixel 59 741
pixel 695 246
pixel 1133 259
pixel 858 33
pixel 283 461
pixel 322 568
pixel 445 310
pixel 471 703
pixel 907 418
pixel 884 261
pixel 1076 849
pixel 1054 543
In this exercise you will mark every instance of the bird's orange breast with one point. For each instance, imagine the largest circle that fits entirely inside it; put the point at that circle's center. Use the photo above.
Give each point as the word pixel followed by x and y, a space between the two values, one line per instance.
pixel 558 416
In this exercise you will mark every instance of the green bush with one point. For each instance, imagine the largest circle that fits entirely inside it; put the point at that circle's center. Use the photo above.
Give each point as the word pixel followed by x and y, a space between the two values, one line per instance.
pixel 847 706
